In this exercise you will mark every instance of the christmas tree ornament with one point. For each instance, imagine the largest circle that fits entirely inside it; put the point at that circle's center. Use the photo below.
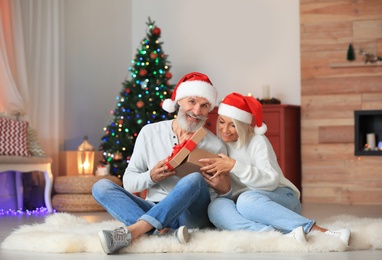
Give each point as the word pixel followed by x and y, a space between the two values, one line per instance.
pixel 140 104
pixel 153 55
pixel 156 31
pixel 168 75
pixel 142 72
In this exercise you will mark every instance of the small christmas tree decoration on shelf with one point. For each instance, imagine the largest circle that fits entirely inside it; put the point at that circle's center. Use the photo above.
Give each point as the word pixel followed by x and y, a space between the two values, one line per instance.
pixel 350 54
pixel 140 101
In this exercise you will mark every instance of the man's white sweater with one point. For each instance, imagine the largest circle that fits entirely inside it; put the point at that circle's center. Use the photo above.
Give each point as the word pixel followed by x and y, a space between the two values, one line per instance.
pixel 155 142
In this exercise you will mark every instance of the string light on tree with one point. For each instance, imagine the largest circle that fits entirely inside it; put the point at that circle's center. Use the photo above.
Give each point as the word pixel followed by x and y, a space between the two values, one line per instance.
pixel 139 102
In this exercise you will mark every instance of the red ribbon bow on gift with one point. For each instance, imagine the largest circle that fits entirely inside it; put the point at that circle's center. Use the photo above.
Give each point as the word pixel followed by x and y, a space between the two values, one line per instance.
pixel 188 144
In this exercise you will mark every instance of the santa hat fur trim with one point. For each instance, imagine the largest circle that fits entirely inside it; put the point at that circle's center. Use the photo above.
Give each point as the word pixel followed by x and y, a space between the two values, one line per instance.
pixel 243 108
pixel 194 84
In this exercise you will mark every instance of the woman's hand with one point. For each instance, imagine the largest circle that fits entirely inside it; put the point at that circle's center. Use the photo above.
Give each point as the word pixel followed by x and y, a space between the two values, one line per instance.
pixel 161 172
pixel 217 166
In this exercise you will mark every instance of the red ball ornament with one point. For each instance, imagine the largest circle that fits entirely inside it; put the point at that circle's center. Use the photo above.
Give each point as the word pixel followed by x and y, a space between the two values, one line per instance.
pixel 153 55
pixel 127 90
pixel 140 104
pixel 120 121
pixel 156 31
pixel 142 72
pixel 168 75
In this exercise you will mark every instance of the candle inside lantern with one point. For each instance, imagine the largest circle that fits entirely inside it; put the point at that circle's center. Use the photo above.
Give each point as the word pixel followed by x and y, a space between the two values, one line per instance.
pixel 370 138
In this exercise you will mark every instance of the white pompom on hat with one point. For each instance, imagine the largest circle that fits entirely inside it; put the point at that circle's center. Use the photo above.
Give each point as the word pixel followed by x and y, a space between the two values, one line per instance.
pixel 243 108
pixel 193 84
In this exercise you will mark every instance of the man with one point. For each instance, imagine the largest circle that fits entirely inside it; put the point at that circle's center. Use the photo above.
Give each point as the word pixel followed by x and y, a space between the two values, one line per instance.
pixel 171 203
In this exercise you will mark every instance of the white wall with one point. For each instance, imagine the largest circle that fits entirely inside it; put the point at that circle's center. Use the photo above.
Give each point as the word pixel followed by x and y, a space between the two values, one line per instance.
pixel 98 54
pixel 240 44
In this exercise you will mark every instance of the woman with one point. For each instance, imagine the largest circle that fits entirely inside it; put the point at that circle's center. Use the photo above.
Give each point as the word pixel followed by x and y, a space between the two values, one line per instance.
pixel 261 198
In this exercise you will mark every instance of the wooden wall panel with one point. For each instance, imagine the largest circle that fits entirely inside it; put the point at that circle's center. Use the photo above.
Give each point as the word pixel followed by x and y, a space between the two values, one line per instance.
pixel 327 152
pixel 379 47
pixel 369 29
pixel 371 101
pixel 309 135
pixel 322 194
pixel 342 85
pixel 330 106
pixel 336 134
pixel 331 89
pixel 326 122
pixel 366 196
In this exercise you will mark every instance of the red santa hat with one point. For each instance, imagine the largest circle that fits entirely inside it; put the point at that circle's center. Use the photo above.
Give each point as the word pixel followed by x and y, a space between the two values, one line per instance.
pixel 194 84
pixel 243 108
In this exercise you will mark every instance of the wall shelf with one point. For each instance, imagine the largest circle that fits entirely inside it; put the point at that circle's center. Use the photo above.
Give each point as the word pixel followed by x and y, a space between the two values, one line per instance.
pixel 367 121
pixel 353 64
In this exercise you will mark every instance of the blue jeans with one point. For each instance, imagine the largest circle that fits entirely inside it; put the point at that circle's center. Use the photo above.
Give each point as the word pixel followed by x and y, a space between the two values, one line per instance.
pixel 186 204
pixel 260 210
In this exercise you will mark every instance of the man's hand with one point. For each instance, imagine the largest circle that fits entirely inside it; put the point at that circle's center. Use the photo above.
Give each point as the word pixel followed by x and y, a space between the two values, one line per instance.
pixel 161 172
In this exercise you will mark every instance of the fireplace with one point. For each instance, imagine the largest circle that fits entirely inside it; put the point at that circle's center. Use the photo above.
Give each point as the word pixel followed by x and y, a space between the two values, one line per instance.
pixel 368 132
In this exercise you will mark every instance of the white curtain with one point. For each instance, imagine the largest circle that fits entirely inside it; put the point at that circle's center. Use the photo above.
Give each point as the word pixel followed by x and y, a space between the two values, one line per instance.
pixel 33 70
pixel 13 78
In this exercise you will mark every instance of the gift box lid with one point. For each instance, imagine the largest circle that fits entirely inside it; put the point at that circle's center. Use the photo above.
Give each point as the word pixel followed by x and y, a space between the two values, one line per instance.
pixel 191 163
pixel 181 151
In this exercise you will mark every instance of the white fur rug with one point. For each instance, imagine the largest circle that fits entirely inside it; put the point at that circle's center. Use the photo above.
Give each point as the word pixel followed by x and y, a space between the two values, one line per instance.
pixel 66 233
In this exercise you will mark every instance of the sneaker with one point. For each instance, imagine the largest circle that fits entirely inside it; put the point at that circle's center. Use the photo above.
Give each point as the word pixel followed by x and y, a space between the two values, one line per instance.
pixel 343 234
pixel 298 234
pixel 113 240
pixel 182 235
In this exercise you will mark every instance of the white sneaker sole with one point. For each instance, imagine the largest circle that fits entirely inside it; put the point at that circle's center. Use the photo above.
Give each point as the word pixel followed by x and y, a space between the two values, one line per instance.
pixel 298 234
pixel 104 243
pixel 183 235
pixel 343 234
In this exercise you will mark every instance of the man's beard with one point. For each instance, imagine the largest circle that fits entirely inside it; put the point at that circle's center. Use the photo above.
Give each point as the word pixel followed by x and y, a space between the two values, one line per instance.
pixel 182 120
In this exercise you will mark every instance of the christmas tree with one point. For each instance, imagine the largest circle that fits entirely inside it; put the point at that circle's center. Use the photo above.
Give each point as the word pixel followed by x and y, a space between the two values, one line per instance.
pixel 139 102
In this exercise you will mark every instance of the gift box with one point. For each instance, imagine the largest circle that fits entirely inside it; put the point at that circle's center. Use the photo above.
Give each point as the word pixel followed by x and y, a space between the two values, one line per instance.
pixel 182 150
pixel 191 163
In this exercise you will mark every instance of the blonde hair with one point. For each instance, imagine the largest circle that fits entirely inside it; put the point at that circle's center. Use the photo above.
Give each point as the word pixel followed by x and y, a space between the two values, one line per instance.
pixel 244 132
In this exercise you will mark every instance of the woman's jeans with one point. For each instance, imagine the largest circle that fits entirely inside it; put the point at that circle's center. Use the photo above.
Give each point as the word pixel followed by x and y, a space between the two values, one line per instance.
pixel 260 210
pixel 186 204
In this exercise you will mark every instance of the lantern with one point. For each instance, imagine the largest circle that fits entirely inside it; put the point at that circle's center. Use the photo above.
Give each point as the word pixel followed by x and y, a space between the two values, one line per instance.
pixel 85 157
